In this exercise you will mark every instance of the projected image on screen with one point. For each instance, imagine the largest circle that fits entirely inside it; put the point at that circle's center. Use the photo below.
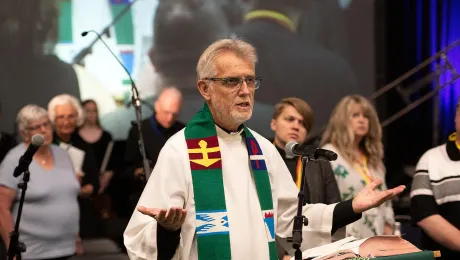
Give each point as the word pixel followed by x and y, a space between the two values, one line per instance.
pixel 318 50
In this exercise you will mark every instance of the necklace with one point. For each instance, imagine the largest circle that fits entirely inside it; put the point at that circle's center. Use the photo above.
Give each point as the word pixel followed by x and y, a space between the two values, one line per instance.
pixel 43 161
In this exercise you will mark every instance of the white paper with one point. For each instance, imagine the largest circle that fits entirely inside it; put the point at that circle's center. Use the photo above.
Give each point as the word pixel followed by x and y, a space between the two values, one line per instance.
pixel 327 249
pixel 105 161
pixel 76 156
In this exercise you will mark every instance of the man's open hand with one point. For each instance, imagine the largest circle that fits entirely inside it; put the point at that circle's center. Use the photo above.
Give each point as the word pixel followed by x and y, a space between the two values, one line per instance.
pixel 370 197
pixel 171 220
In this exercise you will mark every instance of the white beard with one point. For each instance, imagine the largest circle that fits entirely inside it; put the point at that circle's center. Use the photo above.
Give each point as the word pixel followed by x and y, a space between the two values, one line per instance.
pixel 234 116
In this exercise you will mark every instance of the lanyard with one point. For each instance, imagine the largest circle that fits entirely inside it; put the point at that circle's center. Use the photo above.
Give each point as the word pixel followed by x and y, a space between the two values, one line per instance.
pixel 364 171
pixel 453 137
pixel 298 180
pixel 157 130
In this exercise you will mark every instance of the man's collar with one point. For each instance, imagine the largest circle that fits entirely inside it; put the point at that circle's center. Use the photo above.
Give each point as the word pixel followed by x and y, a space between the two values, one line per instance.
pixel 239 129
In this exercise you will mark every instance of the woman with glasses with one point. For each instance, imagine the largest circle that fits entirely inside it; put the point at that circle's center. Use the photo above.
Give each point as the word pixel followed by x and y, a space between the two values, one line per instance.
pixel 67 115
pixel 49 220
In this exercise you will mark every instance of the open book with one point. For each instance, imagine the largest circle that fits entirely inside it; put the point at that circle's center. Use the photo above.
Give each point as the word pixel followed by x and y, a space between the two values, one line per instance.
pixel 368 247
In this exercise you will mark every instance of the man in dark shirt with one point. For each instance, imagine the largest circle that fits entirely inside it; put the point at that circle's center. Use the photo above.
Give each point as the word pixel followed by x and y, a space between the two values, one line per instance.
pixel 156 130
pixel 292 120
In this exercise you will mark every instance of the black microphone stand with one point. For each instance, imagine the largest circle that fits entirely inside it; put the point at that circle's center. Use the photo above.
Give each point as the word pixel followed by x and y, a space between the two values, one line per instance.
pixel 16 248
pixel 300 220
pixel 136 103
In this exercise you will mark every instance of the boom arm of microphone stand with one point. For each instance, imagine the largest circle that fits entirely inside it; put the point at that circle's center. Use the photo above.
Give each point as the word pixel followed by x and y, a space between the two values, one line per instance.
pixel 137 105
pixel 78 59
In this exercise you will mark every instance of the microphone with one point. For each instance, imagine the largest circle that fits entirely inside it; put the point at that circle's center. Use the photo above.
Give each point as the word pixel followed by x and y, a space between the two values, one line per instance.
pixel 25 160
pixel 293 148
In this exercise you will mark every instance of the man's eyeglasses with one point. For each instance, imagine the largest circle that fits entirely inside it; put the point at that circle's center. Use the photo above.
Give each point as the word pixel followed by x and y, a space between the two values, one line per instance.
pixel 234 82
pixel 34 128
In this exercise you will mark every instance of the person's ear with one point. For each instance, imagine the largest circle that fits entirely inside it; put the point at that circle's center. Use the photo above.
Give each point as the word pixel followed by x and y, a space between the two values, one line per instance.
pixel 205 89
pixel 273 125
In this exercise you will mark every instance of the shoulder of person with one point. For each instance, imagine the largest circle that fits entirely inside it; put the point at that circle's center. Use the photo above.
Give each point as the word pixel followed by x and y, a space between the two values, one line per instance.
pixel 145 122
pixel 180 125
pixel 107 134
pixel 434 153
pixel 329 146
pixel 15 152
pixel 176 144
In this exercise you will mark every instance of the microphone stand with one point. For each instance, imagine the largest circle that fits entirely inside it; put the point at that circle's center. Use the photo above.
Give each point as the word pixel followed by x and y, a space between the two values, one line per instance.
pixel 300 220
pixel 16 248
pixel 136 103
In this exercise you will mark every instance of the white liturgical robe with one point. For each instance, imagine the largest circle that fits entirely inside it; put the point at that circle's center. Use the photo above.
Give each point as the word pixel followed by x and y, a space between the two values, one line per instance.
pixel 170 185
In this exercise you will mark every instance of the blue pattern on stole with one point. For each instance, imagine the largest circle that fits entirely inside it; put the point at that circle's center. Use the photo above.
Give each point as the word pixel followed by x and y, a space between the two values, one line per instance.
pixel 212 223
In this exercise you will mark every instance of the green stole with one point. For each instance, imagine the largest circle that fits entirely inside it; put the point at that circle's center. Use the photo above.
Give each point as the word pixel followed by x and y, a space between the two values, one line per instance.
pixel 212 223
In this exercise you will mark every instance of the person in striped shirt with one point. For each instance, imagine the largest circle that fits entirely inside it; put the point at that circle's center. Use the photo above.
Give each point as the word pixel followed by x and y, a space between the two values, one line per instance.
pixel 435 196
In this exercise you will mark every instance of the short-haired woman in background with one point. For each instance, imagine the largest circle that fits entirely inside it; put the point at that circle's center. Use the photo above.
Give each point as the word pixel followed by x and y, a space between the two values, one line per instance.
pixel 355 134
pixel 49 221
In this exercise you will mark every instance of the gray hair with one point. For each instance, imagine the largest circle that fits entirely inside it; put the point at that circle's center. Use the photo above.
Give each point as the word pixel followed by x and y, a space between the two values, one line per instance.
pixel 27 114
pixel 170 91
pixel 206 66
pixel 65 99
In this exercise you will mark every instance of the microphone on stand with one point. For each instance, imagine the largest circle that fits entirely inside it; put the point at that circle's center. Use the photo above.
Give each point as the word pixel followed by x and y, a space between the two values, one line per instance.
pixel 16 248
pixel 135 101
pixel 35 142
pixel 294 149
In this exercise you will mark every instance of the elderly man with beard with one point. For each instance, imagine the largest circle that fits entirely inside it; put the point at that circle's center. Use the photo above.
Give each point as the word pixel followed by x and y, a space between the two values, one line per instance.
pixel 220 190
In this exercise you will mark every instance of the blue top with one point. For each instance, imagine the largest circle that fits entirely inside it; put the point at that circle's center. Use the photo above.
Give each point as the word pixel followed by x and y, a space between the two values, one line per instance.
pixel 49 221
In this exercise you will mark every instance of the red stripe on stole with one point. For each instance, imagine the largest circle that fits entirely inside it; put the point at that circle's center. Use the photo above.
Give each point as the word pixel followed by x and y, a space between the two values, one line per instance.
pixel 195 166
pixel 193 143
pixel 196 156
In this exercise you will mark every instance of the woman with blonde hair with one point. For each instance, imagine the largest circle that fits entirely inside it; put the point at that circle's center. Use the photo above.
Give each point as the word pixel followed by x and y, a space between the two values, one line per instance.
pixel 355 134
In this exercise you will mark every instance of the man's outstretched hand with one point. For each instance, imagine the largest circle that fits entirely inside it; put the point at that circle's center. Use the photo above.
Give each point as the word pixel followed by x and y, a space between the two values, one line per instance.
pixel 171 220
pixel 370 197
